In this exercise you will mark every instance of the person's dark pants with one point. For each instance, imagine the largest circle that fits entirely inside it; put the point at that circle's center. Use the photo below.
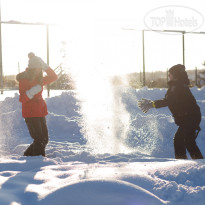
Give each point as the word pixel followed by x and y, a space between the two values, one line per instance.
pixel 185 139
pixel 39 132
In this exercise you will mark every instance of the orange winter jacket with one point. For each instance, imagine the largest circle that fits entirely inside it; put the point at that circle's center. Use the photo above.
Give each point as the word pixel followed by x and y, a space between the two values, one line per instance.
pixel 35 107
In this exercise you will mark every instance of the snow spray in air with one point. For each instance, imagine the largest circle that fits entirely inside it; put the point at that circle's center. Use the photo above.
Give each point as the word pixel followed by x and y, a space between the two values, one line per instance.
pixel 105 121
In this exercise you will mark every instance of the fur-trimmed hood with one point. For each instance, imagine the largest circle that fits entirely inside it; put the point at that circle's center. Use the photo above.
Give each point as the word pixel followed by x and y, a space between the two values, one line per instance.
pixel 23 75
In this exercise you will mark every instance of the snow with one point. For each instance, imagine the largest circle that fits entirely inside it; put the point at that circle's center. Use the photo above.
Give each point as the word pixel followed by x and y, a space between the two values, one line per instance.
pixel 102 151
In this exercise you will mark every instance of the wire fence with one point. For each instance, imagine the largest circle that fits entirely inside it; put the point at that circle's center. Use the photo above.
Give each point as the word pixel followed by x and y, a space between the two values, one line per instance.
pixel 148 52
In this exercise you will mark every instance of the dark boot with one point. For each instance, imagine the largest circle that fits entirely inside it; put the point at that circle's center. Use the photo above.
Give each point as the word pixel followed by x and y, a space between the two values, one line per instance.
pixel 29 151
pixel 180 156
pixel 38 149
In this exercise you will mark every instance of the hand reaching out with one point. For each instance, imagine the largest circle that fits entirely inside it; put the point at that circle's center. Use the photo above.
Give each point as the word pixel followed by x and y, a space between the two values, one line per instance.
pixel 145 104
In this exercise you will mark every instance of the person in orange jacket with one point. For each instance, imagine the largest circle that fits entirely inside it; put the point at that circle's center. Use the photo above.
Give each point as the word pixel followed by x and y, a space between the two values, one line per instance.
pixel 34 108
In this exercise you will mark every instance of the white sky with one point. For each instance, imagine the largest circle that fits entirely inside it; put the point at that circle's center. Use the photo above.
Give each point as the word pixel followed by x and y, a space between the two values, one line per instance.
pixel 94 35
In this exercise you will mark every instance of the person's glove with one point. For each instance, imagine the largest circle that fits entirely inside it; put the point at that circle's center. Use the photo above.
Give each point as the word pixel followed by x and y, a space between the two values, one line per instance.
pixel 44 66
pixel 145 104
pixel 33 91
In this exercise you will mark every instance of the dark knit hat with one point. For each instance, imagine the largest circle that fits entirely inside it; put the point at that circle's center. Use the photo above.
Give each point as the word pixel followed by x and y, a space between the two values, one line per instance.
pixel 179 73
pixel 177 70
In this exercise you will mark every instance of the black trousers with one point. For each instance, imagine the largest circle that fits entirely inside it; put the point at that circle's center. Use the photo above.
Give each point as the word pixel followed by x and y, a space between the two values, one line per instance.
pixel 39 132
pixel 185 139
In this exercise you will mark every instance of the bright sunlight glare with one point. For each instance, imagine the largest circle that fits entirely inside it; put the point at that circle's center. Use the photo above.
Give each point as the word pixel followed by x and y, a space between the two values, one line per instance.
pixel 93 30
pixel 105 120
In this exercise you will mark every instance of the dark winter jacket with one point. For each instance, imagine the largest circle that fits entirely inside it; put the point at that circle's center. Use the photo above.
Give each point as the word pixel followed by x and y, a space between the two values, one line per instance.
pixel 181 103
pixel 35 107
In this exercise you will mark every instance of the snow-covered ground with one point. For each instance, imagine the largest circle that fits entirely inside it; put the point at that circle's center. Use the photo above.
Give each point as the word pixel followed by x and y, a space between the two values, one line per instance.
pixel 103 151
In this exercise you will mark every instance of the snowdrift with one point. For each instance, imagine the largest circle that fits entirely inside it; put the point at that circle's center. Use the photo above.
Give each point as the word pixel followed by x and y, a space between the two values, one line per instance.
pixel 103 151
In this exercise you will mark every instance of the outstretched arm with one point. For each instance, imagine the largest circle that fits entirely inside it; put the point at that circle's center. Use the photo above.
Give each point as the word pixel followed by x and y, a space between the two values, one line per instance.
pixel 145 104
pixel 160 103
pixel 51 76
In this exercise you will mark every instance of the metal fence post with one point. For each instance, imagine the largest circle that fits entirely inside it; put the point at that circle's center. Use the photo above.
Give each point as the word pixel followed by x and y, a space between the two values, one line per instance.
pixel 196 80
pixel 1 69
pixel 143 50
pixel 47 37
